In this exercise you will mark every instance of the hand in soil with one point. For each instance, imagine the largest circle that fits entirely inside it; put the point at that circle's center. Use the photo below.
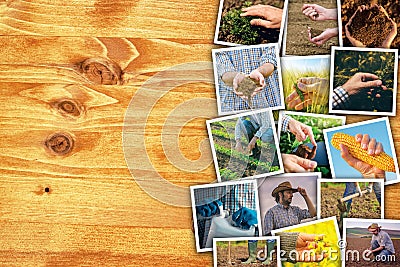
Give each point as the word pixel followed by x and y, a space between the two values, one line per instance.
pixel 305 152
pixel 360 81
pixel 371 26
pixel 308 91
pixel 245 87
pixel 320 37
pixel 272 16
pixel 319 13
pixel 295 164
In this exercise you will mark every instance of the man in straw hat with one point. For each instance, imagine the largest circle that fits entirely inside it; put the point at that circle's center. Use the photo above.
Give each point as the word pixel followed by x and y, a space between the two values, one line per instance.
pixel 283 214
pixel 381 244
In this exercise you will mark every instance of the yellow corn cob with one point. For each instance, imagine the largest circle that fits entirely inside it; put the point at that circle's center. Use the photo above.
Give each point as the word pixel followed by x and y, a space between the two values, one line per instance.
pixel 382 161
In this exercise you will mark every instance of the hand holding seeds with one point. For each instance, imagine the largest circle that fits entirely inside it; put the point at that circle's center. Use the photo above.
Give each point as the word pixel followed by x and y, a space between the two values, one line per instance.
pixel 272 16
pixel 308 91
pixel 361 81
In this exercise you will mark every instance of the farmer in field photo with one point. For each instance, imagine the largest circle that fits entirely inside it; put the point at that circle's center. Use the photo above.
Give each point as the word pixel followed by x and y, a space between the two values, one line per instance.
pixel 381 244
pixel 248 79
pixel 256 126
pixel 283 214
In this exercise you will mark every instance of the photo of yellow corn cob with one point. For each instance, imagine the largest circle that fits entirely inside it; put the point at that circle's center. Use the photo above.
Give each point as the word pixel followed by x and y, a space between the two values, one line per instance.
pixel 382 161
pixel 362 150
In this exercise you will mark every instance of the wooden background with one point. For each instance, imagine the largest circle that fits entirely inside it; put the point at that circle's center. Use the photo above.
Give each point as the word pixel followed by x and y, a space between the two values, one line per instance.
pixel 95 213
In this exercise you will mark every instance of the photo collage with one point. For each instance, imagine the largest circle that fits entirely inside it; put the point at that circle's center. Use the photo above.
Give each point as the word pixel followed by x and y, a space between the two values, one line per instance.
pixel 302 145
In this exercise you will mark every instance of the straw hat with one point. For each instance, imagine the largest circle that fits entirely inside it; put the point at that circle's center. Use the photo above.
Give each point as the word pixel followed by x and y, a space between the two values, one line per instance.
pixel 282 187
pixel 374 226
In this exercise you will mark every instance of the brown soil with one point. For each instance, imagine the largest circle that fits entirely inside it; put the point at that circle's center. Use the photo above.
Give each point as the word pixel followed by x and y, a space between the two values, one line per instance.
pixel 360 244
pixel 349 7
pixel 266 35
pixel 238 254
pixel 297 42
pixel 362 207
pixel 315 32
pixel 371 27
pixel 247 87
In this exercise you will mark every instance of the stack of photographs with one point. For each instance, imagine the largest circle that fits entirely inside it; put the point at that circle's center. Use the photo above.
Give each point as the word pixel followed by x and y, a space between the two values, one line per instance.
pixel 301 169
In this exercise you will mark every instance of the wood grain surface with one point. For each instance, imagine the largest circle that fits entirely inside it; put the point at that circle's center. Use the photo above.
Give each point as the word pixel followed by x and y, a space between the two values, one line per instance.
pixel 82 207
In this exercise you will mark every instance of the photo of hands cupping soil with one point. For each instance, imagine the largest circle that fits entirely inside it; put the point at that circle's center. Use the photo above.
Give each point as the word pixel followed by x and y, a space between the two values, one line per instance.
pixel 370 23
pixel 311 28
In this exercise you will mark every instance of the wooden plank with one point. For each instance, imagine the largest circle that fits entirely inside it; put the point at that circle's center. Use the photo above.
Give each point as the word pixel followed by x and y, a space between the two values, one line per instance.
pixel 192 19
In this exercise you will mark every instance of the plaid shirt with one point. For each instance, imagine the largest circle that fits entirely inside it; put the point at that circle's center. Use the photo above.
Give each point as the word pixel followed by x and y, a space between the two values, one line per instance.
pixel 341 98
pixel 233 197
pixel 246 60
pixel 285 123
pixel 260 122
pixel 279 217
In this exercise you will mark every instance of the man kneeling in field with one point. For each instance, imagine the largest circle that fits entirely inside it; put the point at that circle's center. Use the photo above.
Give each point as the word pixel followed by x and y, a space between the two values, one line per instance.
pixel 381 244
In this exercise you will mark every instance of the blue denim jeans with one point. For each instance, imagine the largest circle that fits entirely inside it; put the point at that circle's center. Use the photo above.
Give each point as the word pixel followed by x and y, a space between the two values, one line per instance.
pixel 383 254
pixel 267 137
pixel 351 189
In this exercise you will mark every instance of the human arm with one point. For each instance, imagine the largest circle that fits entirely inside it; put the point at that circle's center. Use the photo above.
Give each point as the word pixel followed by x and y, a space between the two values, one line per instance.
pixel 319 13
pixel 268 223
pixel 310 205
pixel 293 163
pixel 272 16
pixel 238 135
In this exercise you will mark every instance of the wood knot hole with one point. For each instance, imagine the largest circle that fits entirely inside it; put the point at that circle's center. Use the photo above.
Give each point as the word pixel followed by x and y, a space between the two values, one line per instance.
pixel 47 190
pixel 102 71
pixel 69 107
pixel 60 143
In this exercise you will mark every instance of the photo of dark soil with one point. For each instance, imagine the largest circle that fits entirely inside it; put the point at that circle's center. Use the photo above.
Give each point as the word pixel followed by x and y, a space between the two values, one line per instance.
pixel 232 164
pixel 360 245
pixel 382 64
pixel 238 254
pixel 236 29
pixel 372 26
pixel 366 206
pixel 297 43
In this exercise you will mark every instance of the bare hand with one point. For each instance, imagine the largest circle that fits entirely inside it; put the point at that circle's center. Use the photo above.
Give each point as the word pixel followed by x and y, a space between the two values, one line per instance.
pixel 252 144
pixel 317 12
pixel 302 191
pixel 303 245
pixel 315 90
pixel 272 16
pixel 301 131
pixel 360 81
pixel 365 169
pixel 257 76
pixel 293 163
pixel 238 147
pixel 323 37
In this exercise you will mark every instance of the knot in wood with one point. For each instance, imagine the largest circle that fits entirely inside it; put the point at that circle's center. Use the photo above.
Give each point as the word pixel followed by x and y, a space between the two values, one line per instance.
pixel 102 71
pixel 60 143
pixel 69 107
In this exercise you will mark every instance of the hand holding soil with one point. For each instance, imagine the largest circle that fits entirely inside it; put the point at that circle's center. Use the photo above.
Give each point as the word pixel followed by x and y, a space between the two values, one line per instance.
pixel 272 16
pixel 371 26
pixel 319 38
pixel 308 91
pixel 248 86
pixel 319 13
